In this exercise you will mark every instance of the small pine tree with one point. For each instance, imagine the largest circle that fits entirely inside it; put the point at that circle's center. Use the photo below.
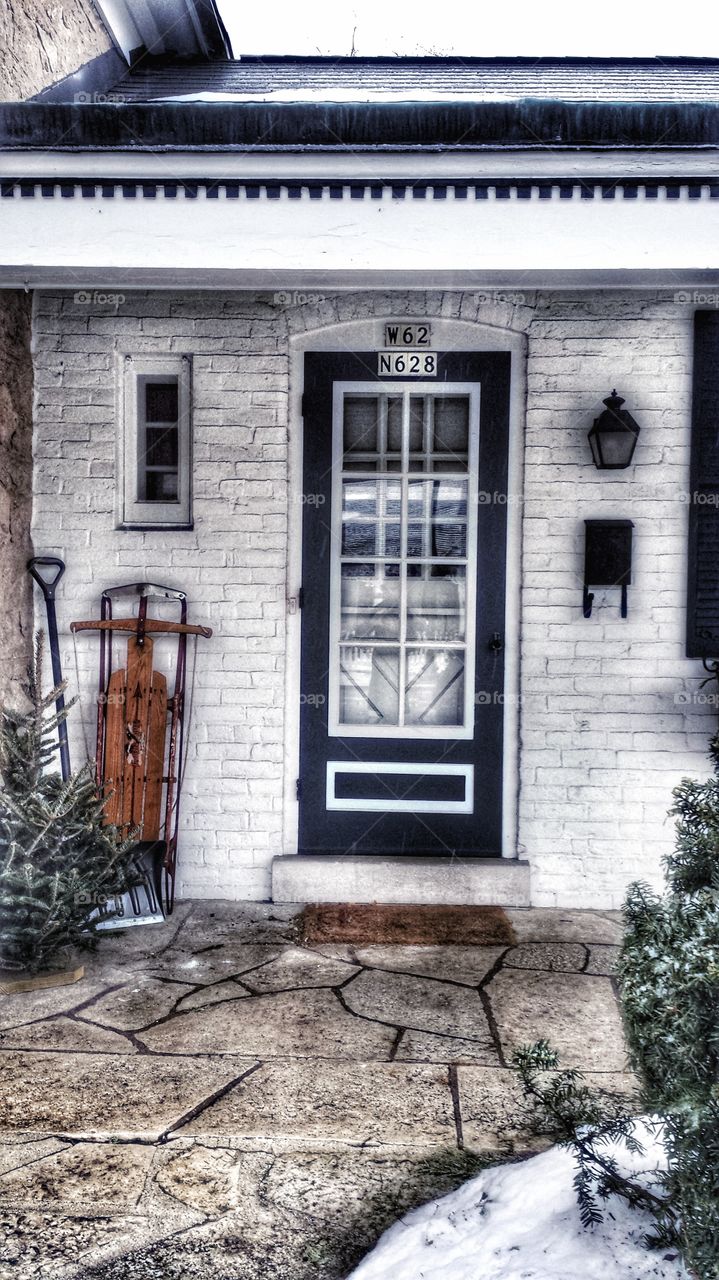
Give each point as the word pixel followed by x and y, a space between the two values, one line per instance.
pixel 669 975
pixel 58 859
pixel 668 972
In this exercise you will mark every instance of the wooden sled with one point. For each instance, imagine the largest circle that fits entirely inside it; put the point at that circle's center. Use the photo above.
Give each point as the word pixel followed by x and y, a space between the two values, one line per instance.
pixel 141 733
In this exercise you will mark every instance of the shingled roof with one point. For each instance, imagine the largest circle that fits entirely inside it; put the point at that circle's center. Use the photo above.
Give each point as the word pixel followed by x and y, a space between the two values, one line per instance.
pixel 294 79
pixel 378 104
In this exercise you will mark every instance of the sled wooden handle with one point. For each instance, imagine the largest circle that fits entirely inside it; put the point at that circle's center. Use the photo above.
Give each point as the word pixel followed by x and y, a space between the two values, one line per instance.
pixel 151 625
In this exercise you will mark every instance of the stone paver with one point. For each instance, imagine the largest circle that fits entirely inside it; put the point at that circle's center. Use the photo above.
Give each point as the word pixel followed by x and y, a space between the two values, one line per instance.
pixel 219 960
pixel 575 1012
pixel 564 957
pixel 298 968
pixel 27 1006
pixel 105 1095
pixel 396 1103
pixel 545 924
pixel 216 1102
pixel 69 1034
pixel 496 1116
pixel 86 1176
pixel 302 1024
pixel 19 1149
pixel 203 1178
pixel 135 1005
pixel 603 960
pixel 47 1246
pixel 468 965
pixel 216 993
pixel 423 1046
pixel 421 1003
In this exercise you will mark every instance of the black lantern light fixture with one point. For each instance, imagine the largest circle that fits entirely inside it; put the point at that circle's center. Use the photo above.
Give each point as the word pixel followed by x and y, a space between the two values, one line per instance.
pixel 613 437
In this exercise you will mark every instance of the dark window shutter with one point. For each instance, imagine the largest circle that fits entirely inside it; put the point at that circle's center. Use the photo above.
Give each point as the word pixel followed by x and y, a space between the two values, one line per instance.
pixel 703 583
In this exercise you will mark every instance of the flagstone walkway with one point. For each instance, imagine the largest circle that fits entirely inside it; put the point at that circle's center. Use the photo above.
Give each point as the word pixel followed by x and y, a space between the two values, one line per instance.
pixel 214 1100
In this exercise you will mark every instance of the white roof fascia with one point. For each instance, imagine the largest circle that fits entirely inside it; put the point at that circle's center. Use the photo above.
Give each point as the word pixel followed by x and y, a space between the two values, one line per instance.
pixel 270 241
pixel 156 26
pixel 176 166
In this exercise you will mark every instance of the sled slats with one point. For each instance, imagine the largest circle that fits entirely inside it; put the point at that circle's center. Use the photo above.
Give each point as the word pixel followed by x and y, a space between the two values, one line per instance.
pixel 155 757
pixel 113 773
pixel 152 626
pixel 135 743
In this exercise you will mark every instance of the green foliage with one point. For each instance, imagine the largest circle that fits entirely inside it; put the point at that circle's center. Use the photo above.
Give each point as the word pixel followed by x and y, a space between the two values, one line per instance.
pixel 669 975
pixel 694 864
pixel 668 971
pixel 57 858
pixel 578 1118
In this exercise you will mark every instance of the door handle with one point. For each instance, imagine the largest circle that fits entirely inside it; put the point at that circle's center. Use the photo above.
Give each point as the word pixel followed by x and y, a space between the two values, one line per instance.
pixel 496 644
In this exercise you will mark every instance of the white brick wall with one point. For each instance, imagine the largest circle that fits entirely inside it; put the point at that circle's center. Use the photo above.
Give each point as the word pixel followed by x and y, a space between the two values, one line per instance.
pixel 232 564
pixel 603 739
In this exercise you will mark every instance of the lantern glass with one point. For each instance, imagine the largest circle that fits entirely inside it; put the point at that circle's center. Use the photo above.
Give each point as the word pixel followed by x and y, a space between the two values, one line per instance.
pixel 613 437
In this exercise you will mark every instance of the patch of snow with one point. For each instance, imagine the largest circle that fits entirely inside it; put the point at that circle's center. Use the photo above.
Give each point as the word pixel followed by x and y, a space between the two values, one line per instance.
pixel 320 93
pixel 521 1222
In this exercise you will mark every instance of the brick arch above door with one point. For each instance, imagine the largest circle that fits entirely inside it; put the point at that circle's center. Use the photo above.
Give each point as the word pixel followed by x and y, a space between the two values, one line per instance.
pixel 494 310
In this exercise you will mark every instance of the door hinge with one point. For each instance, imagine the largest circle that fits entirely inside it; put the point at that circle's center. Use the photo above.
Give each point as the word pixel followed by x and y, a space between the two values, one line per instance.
pixel 298 789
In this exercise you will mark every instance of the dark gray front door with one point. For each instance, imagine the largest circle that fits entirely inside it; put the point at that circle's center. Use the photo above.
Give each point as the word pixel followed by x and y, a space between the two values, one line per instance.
pixel 404 533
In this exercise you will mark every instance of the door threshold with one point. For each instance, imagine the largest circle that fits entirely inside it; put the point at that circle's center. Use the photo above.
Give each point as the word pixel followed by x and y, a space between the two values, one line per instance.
pixel 366 878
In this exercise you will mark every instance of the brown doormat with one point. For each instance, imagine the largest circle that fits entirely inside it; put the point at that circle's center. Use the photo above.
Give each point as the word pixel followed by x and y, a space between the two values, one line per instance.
pixel 409 925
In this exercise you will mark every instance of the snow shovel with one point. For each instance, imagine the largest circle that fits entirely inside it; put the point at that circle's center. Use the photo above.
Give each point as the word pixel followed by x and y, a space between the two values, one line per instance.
pixel 47 585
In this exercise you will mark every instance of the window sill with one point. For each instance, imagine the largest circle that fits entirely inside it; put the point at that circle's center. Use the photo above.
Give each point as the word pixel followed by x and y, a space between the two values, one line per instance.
pixel 165 527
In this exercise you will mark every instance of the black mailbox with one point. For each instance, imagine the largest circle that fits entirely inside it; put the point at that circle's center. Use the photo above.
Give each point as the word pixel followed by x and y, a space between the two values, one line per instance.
pixel 607 558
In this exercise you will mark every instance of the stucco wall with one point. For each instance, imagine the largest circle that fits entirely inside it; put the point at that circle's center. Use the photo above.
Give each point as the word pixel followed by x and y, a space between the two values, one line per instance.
pixel 40 43
pixel 15 488
pixel 610 714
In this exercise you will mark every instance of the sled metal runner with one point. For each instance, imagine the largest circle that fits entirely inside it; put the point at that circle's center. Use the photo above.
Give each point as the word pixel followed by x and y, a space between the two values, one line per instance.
pixel 141 728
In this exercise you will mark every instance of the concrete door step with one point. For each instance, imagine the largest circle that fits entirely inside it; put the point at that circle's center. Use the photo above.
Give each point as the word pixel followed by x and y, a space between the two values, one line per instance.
pixel 502 882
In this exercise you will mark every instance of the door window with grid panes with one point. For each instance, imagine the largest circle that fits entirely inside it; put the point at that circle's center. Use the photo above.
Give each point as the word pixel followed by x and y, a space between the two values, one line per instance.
pixel 404 534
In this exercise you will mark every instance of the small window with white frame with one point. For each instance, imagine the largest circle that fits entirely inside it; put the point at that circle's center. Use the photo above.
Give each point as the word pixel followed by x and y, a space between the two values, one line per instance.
pixel 156 450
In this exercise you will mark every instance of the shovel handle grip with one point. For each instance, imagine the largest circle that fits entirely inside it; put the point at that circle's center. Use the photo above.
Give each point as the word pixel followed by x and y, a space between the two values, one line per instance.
pixel 46 585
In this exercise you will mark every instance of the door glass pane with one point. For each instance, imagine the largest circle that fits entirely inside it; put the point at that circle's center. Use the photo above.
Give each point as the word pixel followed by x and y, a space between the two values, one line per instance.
pixel 370 602
pixel 372 433
pixel 371 514
pixel 436 603
pixel 441 506
pixel 416 422
pixel 419 408
pixel 394 424
pixel 449 540
pixel 451 430
pixel 361 416
pixel 434 687
pixel 369 685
